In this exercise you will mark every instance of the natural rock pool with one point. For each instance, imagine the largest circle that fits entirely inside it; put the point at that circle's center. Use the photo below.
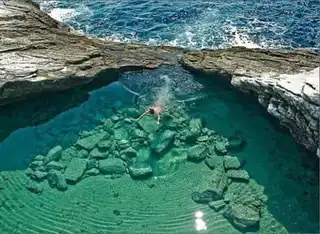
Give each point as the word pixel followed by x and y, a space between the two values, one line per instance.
pixel 79 161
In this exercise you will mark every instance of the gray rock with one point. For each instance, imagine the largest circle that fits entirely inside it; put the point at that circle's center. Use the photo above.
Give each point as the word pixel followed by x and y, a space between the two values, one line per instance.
pixel 220 148
pixel 39 158
pixel 56 180
pixel 219 179
pixel 29 171
pixel 55 166
pixel 163 142
pixel 231 162
pixel 140 171
pixel 197 153
pixel 112 166
pixel 90 142
pixel 93 172
pixel 69 153
pixel 75 170
pixel 242 216
pixel 115 118
pixel 34 187
pixel 98 154
pixel 235 143
pixel 238 174
pixel 104 145
pixel 217 205
pixel 54 154
pixel 148 124
pixel 38 175
pixel 213 161
pixel 195 126
pixel 203 139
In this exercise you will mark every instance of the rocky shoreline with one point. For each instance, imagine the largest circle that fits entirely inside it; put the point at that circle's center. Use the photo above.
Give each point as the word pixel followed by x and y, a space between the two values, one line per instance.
pixel 38 54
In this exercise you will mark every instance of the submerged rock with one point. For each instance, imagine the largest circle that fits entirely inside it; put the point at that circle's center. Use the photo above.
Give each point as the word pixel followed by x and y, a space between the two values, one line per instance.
pixel 92 163
pixel 75 170
pixel 163 142
pixel 129 152
pixel 55 166
pixel 137 133
pixel 93 172
pixel 269 225
pixel 219 179
pixel 112 166
pixel 105 144
pixel 54 154
pixel 206 196
pixel 121 134
pixel 69 153
pixel 132 112
pixel 39 158
pixel 217 205
pixel 83 153
pixel 148 124
pixel 38 175
pixel 238 174
pixel 34 187
pixel 56 180
pixel 107 125
pixel 231 162
pixel 90 142
pixel 213 161
pixel 220 148
pixel 195 129
pixel 242 216
pixel 235 143
pixel 140 171
pixel 197 153
pixel 36 164
pixel 98 154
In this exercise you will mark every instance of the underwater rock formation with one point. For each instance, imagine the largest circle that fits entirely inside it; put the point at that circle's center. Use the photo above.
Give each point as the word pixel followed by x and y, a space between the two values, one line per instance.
pixel 39 54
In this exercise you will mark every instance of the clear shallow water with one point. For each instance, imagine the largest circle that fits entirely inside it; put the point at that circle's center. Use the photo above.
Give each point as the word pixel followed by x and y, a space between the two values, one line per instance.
pixel 162 203
pixel 195 24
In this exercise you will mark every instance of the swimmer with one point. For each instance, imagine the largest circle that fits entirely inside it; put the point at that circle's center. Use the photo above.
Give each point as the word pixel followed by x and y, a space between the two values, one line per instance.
pixel 156 109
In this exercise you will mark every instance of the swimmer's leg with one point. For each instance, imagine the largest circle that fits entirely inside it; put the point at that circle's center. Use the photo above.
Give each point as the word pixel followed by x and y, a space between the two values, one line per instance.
pixel 146 112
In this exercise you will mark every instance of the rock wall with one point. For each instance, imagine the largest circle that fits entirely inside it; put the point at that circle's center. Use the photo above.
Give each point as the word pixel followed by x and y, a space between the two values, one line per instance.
pixel 287 84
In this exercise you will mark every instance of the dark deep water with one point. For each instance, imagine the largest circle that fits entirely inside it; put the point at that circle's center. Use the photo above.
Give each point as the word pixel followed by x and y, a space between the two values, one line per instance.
pixel 161 203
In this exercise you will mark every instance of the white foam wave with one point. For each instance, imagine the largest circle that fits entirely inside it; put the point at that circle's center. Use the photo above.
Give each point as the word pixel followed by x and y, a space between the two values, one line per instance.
pixel 63 14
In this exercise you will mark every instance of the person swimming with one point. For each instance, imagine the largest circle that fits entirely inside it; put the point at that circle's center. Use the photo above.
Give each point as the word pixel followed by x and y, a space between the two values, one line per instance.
pixel 155 109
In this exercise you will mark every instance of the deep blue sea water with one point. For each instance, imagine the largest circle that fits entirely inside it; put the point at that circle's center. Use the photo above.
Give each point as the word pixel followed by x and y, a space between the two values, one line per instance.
pixel 195 23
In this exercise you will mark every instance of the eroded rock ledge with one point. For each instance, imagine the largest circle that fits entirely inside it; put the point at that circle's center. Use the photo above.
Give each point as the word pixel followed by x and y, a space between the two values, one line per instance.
pixel 38 54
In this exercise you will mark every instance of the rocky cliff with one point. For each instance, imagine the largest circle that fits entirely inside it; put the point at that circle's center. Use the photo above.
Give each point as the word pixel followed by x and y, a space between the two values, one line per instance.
pixel 38 54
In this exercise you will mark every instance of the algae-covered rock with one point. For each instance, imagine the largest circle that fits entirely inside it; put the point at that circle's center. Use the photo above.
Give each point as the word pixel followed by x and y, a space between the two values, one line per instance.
pixel 56 180
pixel 123 144
pixel 137 133
pixel 92 163
pixel 93 172
pixel 195 129
pixel 34 187
pixel 132 112
pixel 75 170
pixel 90 142
pixel 197 153
pixel 107 125
pixel 140 171
pixel 242 216
pixel 105 144
pixel 39 158
pixel 83 153
pixel 55 166
pixel 220 147
pixel 143 155
pixel 219 179
pixel 129 152
pixel 163 142
pixel 38 175
pixel 213 161
pixel 98 154
pixel 121 133
pixel 69 153
pixel 36 164
pixel 238 174
pixel 54 154
pixel 112 166
pixel 217 205
pixel 206 196
pixel 148 124
pixel 231 162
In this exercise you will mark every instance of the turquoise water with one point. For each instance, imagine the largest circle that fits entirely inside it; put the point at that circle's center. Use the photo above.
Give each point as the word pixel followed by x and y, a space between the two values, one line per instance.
pixel 195 24
pixel 161 202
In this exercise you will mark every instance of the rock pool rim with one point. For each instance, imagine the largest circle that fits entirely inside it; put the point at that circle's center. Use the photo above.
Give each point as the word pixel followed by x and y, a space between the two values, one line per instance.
pixel 57 57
